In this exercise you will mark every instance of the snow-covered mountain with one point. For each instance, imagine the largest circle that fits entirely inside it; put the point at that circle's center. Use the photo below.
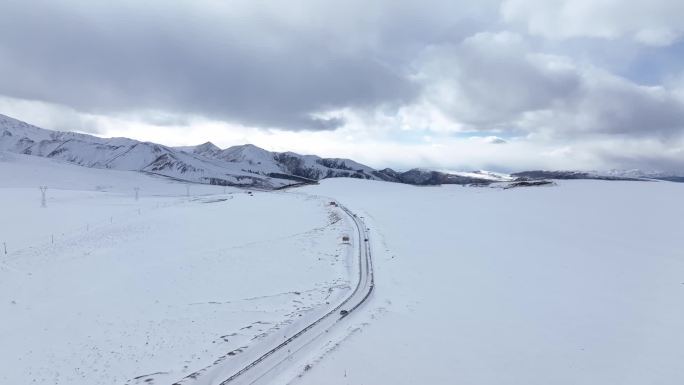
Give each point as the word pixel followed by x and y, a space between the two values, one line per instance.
pixel 207 149
pixel 245 165
pixel 641 174
pixel 313 167
pixel 625 175
pixel 248 165
pixel 288 163
pixel 125 154
pixel 420 176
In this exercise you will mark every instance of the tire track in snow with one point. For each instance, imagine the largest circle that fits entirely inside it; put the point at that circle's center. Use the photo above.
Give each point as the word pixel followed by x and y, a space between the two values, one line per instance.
pixel 261 366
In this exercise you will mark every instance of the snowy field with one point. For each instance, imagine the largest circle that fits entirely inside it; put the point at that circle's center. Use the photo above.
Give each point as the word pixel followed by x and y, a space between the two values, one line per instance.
pixel 98 288
pixel 581 283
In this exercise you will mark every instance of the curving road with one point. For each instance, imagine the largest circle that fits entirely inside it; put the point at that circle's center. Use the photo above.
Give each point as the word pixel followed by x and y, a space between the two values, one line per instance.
pixel 263 369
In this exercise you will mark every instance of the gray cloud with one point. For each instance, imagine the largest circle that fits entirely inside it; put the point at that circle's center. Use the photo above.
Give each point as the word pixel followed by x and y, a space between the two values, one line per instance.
pixel 496 81
pixel 657 162
pixel 240 61
pixel 490 78
pixel 612 105
pixel 520 69
pixel 495 140
pixel 49 115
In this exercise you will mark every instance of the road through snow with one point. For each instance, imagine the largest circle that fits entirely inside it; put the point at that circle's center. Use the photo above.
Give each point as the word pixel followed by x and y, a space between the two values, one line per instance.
pixel 291 350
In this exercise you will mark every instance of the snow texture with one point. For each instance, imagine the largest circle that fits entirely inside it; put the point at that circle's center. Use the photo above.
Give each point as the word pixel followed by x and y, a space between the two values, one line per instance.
pixel 101 288
pixel 581 283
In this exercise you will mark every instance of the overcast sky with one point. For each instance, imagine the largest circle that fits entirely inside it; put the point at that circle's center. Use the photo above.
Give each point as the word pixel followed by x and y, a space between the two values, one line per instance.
pixel 503 85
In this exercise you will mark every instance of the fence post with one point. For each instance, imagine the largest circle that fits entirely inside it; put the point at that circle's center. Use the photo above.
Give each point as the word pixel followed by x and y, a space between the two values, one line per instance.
pixel 43 201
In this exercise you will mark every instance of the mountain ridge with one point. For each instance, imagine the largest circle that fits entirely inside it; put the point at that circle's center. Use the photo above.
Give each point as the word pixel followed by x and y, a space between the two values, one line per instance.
pixel 248 165
pixel 242 166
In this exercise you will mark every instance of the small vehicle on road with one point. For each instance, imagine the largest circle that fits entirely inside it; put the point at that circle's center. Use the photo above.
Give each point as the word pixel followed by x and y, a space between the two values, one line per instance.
pixel 344 312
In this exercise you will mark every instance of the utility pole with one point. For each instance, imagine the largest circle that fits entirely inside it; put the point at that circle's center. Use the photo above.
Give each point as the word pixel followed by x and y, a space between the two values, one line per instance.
pixel 137 191
pixel 4 246
pixel 43 201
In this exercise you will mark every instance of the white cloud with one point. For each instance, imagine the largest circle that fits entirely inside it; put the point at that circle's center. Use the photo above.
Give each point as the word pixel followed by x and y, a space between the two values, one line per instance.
pixel 497 82
pixel 405 83
pixel 48 115
pixel 490 78
pixel 607 104
pixel 494 140
pixel 375 143
pixel 652 22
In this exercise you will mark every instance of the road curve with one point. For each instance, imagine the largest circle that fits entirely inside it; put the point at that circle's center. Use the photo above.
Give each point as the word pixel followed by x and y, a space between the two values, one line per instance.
pixel 259 369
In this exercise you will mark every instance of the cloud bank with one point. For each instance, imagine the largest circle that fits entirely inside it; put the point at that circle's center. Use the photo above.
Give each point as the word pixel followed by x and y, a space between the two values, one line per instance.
pixel 449 84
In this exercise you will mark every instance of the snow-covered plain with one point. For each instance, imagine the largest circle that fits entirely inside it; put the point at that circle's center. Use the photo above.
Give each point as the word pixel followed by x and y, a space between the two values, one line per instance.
pixel 577 283
pixel 98 288
pixel 580 283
